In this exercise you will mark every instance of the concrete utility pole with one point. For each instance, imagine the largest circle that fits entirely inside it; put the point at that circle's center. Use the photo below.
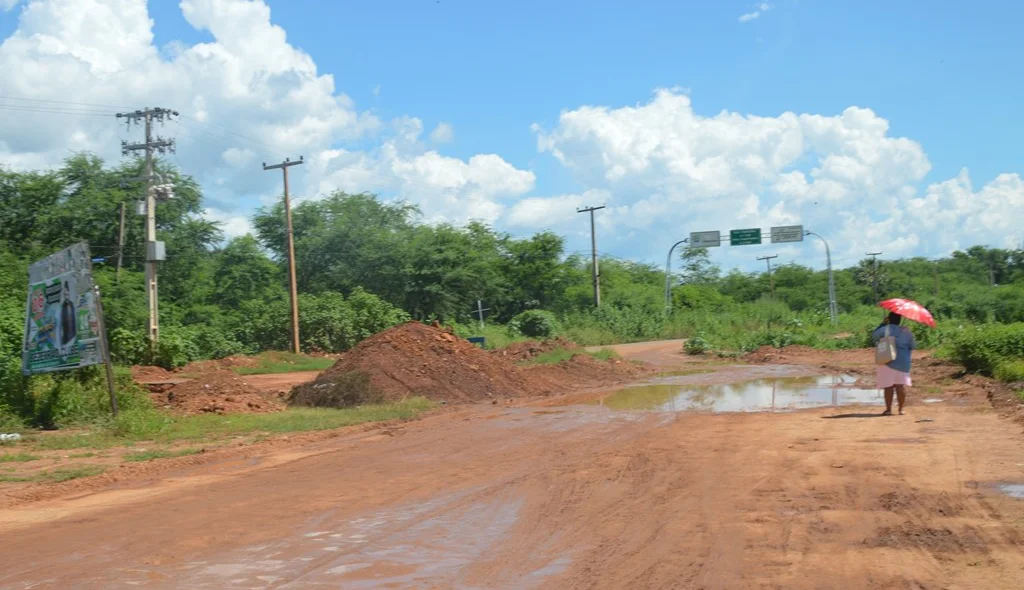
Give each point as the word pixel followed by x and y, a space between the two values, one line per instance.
pixel 293 290
pixel 874 272
pixel 593 248
pixel 154 250
pixel 771 279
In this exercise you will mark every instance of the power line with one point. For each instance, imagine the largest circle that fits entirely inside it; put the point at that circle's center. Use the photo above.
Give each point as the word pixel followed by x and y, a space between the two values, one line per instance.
pixel 87 104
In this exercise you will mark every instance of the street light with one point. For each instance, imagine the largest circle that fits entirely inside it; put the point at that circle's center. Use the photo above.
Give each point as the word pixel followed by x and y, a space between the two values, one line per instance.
pixel 668 276
pixel 833 310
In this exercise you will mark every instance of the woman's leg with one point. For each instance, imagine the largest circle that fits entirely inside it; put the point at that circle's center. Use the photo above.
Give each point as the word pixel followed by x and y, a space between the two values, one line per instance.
pixel 901 396
pixel 888 400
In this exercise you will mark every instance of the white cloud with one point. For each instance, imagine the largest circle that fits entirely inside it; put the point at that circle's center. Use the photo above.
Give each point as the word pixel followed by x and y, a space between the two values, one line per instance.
pixel 232 225
pixel 760 9
pixel 6 5
pixel 669 171
pixel 247 96
pixel 443 133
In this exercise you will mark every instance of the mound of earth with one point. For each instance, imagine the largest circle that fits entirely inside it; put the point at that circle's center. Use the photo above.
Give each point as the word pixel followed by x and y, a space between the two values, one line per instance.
pixel 523 351
pixel 217 392
pixel 414 359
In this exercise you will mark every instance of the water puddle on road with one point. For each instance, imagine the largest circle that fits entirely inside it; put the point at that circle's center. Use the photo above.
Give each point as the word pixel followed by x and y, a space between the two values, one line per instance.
pixel 1014 490
pixel 762 395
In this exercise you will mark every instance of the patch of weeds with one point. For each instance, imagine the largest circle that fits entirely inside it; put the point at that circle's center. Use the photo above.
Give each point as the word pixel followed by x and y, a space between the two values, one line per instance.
pixel 285 362
pixel 159 454
pixel 558 355
pixel 18 458
pixel 68 473
pixel 14 479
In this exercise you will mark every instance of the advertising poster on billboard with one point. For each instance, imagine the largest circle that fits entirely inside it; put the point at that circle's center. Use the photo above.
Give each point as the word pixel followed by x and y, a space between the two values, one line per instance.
pixel 62 324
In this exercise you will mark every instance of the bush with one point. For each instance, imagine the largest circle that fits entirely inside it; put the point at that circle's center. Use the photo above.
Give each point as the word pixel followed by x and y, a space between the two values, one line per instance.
pixel 128 347
pixel 981 349
pixel 696 346
pixel 535 323
pixel 1011 371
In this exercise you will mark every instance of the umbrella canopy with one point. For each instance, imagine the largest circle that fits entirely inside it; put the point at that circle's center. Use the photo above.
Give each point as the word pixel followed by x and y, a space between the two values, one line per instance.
pixel 909 309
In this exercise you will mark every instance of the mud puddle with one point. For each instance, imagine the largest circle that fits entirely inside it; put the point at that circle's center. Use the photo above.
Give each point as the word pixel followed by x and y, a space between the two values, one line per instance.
pixel 666 394
pixel 1014 490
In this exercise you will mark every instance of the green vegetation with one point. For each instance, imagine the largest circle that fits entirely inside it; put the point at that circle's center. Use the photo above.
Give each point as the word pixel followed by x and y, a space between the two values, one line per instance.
pixel 159 454
pixel 563 354
pixel 366 264
pixel 285 362
pixel 150 425
pixel 18 458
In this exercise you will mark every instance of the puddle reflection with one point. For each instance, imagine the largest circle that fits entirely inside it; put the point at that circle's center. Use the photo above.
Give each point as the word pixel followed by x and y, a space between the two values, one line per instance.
pixel 662 394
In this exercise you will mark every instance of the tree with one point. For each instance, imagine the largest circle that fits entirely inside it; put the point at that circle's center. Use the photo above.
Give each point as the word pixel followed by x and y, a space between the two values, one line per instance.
pixel 697 268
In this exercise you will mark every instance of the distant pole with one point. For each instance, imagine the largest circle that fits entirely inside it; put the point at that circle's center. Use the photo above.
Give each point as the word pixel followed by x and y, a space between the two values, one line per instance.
pixel 292 289
pixel 771 279
pixel 668 275
pixel 480 309
pixel 874 272
pixel 833 309
pixel 593 247
pixel 120 247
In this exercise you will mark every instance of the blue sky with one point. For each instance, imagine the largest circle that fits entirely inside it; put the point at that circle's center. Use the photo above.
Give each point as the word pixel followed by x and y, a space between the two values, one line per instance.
pixel 944 75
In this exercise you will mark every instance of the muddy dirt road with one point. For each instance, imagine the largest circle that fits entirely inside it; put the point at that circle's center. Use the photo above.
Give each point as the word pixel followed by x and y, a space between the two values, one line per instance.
pixel 569 496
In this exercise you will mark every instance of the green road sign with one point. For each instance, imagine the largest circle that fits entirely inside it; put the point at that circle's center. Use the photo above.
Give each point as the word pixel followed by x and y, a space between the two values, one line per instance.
pixel 745 237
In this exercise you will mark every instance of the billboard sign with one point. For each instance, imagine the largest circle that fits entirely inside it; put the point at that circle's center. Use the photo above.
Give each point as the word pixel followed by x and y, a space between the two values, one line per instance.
pixel 62 325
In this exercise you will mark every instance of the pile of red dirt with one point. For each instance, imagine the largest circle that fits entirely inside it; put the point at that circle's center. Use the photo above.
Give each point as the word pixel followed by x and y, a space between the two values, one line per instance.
pixel 414 359
pixel 524 351
pixel 217 392
pixel 147 374
pixel 217 364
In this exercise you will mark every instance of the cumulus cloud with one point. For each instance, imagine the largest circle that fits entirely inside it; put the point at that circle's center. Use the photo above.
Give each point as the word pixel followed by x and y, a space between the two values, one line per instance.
pixel 443 133
pixel 245 97
pixel 669 171
pixel 759 9
pixel 6 5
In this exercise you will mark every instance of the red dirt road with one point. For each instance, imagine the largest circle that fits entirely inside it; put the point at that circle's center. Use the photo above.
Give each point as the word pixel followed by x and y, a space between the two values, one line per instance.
pixel 566 497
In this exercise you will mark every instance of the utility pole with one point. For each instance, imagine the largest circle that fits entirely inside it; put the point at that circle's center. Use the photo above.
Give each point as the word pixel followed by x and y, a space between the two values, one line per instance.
pixel 593 248
pixel 771 279
pixel 120 247
pixel 874 272
pixel 154 250
pixel 480 309
pixel 293 290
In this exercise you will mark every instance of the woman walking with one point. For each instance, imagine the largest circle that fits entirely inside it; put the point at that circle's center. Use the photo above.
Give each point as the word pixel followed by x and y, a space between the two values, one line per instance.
pixel 894 376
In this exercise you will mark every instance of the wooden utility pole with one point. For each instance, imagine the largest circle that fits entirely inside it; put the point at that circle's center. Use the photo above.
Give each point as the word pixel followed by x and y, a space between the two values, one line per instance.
pixel 771 279
pixel 595 271
pixel 120 247
pixel 154 252
pixel 293 290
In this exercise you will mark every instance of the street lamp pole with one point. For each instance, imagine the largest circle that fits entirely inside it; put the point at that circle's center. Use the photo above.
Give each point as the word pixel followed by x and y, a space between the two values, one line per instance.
pixel 668 276
pixel 833 310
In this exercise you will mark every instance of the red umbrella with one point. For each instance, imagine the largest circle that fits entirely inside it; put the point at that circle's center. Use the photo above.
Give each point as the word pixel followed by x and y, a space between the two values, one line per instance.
pixel 909 309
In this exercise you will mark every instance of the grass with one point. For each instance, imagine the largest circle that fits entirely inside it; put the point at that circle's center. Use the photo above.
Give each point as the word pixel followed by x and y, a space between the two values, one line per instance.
pixel 18 458
pixel 56 475
pixel 563 354
pixel 151 425
pixel 285 362
pixel 159 454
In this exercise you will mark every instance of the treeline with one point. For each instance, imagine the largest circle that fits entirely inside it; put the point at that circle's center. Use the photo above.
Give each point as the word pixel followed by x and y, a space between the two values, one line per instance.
pixel 364 264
